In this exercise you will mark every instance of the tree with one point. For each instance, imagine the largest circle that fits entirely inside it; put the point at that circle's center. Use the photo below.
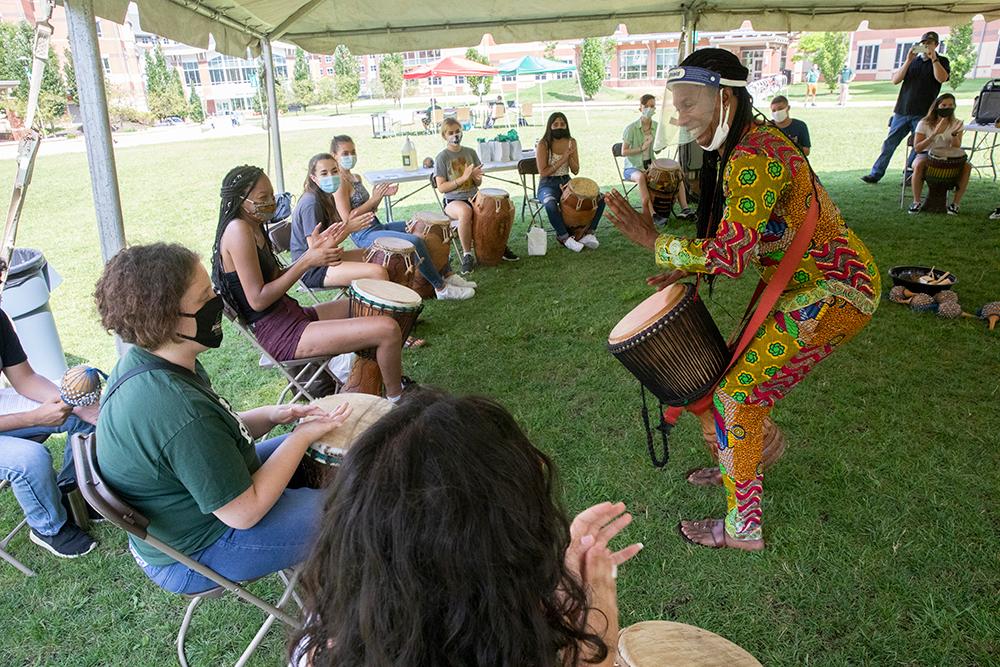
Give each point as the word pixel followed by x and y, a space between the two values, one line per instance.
pixel 390 73
pixel 326 91
pixel 593 63
pixel 259 103
pixel 474 82
pixel 348 79
pixel 828 50
pixel 196 113
pixel 69 73
pixel 301 71
pixel 164 91
pixel 961 54
pixel 550 50
pixel 303 93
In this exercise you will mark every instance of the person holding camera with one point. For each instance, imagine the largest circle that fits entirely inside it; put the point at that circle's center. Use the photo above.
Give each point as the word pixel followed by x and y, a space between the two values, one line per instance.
pixel 921 74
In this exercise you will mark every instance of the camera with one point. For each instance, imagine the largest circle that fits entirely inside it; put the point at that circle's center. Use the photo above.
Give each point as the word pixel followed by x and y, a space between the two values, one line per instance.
pixel 919 49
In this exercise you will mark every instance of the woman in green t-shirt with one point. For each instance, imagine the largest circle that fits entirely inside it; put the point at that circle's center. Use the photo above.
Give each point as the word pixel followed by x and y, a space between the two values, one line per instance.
pixel 176 451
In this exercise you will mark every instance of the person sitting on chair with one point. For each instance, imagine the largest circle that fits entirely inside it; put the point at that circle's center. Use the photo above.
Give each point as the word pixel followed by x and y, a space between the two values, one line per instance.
pixel 637 149
pixel 481 565
pixel 353 200
pixel 248 277
pixel 27 464
pixel 458 173
pixel 316 208
pixel 938 129
pixel 190 466
pixel 793 128
pixel 557 155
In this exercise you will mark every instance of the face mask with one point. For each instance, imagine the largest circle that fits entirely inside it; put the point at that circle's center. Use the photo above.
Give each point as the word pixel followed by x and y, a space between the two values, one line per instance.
pixel 647 112
pixel 348 161
pixel 946 112
pixel 263 212
pixel 455 139
pixel 209 322
pixel 721 130
pixel 779 116
pixel 561 133
pixel 329 184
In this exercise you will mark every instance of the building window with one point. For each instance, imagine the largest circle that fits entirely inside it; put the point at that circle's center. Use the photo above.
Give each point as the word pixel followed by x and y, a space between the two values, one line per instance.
pixel 373 67
pixel 328 59
pixel 564 75
pixel 996 57
pixel 192 77
pixel 459 80
pixel 411 58
pixel 632 63
pixel 215 72
pixel 542 77
pixel 435 81
pixel 867 57
pixel 902 48
pixel 753 60
pixel 280 71
pixel 506 78
pixel 665 59
pixel 97 24
pixel 107 65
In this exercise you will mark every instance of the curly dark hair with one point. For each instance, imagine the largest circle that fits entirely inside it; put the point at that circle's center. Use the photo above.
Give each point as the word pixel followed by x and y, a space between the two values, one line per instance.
pixel 443 543
pixel 141 310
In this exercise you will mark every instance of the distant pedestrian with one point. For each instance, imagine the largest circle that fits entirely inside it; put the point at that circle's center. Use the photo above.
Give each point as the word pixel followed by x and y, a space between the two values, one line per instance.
pixel 812 81
pixel 844 79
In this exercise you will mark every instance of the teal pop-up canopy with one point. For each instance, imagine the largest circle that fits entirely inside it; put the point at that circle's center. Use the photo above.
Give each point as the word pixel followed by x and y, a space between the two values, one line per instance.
pixel 536 65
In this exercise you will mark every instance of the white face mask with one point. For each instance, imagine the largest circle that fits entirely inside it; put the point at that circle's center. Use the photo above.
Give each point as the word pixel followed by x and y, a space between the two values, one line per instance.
pixel 455 139
pixel 721 130
pixel 347 161
pixel 647 112
pixel 779 115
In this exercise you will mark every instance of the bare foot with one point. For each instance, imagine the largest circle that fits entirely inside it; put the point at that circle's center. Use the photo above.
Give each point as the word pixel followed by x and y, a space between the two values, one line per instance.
pixel 712 533
pixel 704 476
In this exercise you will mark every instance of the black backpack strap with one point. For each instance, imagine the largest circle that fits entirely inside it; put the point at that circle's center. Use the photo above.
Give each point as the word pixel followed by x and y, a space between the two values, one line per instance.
pixel 138 370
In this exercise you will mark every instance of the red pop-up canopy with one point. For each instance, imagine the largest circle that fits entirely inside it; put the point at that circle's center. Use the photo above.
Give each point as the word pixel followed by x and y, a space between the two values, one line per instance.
pixel 451 66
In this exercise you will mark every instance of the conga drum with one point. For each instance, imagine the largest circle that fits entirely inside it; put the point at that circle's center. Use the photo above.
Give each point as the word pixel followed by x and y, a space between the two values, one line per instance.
pixel 580 197
pixel 670 343
pixel 664 178
pixel 492 218
pixel 367 297
pixel 669 644
pixel 398 256
pixel 320 463
pixel 435 230
pixel 942 173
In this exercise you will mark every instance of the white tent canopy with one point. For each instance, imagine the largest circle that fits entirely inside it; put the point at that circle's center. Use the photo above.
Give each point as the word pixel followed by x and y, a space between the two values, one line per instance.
pixel 380 26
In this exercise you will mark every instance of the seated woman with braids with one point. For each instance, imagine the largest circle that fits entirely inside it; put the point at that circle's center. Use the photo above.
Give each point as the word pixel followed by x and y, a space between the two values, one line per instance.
pixel 248 277
pixel 484 568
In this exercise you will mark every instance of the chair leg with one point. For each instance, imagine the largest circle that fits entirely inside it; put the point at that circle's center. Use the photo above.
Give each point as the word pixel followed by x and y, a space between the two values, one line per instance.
pixel 24 569
pixel 182 633
pixel 269 621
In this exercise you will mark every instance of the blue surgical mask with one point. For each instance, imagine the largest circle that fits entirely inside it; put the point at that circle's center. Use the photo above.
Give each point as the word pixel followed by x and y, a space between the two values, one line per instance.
pixel 348 161
pixel 648 112
pixel 329 184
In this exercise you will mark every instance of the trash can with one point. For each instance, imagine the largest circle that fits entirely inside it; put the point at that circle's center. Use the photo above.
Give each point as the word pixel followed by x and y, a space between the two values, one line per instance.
pixel 25 299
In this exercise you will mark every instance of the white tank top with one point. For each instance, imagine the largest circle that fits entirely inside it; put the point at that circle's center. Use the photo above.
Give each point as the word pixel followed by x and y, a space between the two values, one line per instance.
pixel 561 171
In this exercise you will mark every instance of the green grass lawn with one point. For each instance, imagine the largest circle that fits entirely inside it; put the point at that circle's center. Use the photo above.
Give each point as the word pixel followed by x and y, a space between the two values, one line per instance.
pixel 881 535
pixel 884 91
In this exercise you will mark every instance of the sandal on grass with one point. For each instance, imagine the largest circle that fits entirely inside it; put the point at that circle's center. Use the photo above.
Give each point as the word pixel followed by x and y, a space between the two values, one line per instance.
pixel 703 477
pixel 412 342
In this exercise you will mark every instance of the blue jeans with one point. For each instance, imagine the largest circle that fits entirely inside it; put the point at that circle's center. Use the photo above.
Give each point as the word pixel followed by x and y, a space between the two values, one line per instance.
pixel 281 539
pixel 899 127
pixel 549 193
pixel 27 465
pixel 397 230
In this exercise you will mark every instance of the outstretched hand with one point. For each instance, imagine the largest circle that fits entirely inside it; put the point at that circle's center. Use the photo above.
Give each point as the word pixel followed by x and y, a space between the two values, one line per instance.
pixel 593 528
pixel 664 280
pixel 638 227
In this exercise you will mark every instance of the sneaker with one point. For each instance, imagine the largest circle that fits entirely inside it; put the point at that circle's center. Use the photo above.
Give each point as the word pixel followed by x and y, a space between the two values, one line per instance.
pixel 952 209
pixel 509 256
pixel 868 178
pixel 572 244
pixel 454 293
pixel 686 214
pixel 459 281
pixel 69 542
pixel 468 263
pixel 659 220
pixel 914 207
pixel 995 215
pixel 590 241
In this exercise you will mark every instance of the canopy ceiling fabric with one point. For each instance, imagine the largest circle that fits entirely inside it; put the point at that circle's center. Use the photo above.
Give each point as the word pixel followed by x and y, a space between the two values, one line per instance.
pixel 384 26
pixel 451 66
pixel 534 65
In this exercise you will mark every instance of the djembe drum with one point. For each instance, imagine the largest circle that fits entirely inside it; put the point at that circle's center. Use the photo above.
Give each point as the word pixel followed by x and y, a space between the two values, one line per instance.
pixel 663 178
pixel 942 173
pixel 435 230
pixel 396 255
pixel 366 298
pixel 669 644
pixel 320 463
pixel 492 218
pixel 580 197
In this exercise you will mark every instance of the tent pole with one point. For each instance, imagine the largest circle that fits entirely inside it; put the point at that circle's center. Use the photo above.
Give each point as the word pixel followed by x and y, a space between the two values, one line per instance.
pixel 272 114
pixel 579 86
pixel 81 24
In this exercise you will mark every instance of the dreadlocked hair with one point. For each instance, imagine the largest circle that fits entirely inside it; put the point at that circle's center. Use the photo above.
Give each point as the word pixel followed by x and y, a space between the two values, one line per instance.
pixel 236 186
pixel 325 199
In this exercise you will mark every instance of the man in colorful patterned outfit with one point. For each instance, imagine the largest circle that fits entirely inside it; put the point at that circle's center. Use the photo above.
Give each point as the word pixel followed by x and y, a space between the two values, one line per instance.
pixel 767 187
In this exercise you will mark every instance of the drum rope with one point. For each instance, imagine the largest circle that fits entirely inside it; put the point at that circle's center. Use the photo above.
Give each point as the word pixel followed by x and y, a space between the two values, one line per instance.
pixel 663 427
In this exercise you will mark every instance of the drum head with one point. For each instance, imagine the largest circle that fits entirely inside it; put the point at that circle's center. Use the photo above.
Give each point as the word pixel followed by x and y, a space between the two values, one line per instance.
pixel 663 163
pixel 494 192
pixel 946 153
pixel 366 409
pixel 385 292
pixel 394 245
pixel 668 644
pixel 647 312
pixel 585 187
pixel 432 217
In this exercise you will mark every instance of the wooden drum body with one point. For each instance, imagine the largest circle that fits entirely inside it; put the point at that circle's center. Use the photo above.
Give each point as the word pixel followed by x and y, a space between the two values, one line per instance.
pixel 672 345
pixel 580 197
pixel 319 465
pixel 669 644
pixel 492 218
pixel 942 173
pixel 396 255
pixel 664 179
pixel 435 230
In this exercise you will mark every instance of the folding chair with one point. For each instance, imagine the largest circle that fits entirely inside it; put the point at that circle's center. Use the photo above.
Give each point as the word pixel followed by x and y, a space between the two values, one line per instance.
pixel 299 374
pixel 524 114
pixel 464 116
pixel 527 169
pixel 27 571
pixel 499 113
pixel 907 172
pixel 627 186
pixel 437 117
pixel 103 498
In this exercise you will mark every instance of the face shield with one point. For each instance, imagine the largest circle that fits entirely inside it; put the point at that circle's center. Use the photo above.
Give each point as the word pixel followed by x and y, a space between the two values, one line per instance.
pixel 693 109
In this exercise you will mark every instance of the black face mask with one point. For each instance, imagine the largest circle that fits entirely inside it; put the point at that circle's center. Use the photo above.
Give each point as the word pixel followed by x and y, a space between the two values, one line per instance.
pixel 209 322
pixel 561 133
pixel 946 113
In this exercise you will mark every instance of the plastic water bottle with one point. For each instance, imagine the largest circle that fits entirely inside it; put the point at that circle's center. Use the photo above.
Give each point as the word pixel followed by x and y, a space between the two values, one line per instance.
pixel 409 156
